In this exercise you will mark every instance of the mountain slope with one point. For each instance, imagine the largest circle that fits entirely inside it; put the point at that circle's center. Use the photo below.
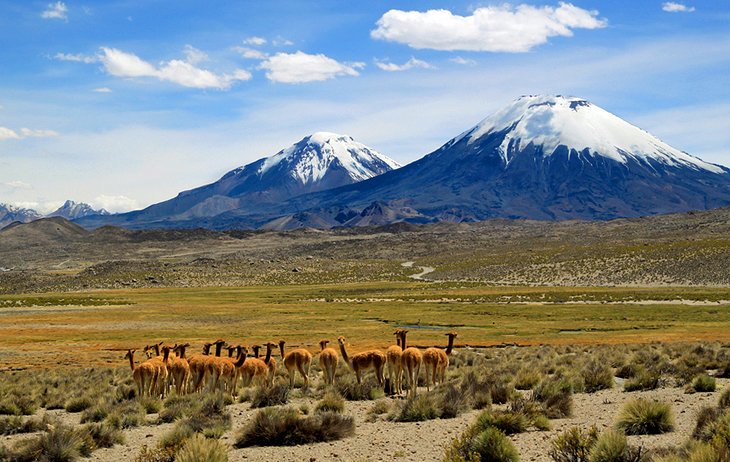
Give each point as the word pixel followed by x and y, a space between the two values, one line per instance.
pixel 547 158
pixel 72 210
pixel 318 162
pixel 10 214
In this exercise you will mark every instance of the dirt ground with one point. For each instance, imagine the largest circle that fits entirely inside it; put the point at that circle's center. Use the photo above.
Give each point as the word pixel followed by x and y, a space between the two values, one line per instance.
pixel 383 440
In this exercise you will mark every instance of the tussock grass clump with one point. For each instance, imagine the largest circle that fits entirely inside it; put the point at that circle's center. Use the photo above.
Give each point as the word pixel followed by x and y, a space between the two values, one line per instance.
pixel 201 449
pixel 351 391
pixel 13 425
pixel 96 413
pixel 509 423
pixel 644 417
pixel 212 419
pixel 422 407
pixel 597 375
pixel 704 383
pixel 155 455
pixel 451 401
pixel 275 395
pixel 527 379
pixel 706 417
pixel 78 404
pixel 59 444
pixel 175 438
pixel 556 398
pixel 151 405
pixel 612 446
pixel 628 371
pixel 485 389
pixel 724 401
pixel 285 427
pixel 643 380
pixel 489 444
pixel 129 414
pixel 179 406
pixel 103 435
pixel 331 402
pixel 573 445
pixel 716 430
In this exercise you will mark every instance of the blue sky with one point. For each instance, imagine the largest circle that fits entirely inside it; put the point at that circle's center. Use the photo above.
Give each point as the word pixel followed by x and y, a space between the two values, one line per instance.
pixel 125 103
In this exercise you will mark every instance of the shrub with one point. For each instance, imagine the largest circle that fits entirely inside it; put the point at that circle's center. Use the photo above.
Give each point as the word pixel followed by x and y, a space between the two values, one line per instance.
pixel 351 391
pixel 422 407
pixel 451 402
pixel 462 449
pixel 270 396
pixel 126 415
pixel 628 371
pixel 155 455
pixel 644 417
pixel 707 416
pixel 211 419
pixel 7 407
pixel 717 430
pixel 643 380
pixel 178 406
pixel 493 445
pixel 175 438
pixel 95 413
pixel 285 427
pixel 573 445
pixel 527 379
pixel 724 402
pixel 60 443
pixel 611 446
pixel 78 404
pixel 508 422
pixel 103 435
pixel 331 402
pixel 597 376
pixel 151 405
pixel 201 449
pixel 704 383
pixel 12 425
pixel 556 398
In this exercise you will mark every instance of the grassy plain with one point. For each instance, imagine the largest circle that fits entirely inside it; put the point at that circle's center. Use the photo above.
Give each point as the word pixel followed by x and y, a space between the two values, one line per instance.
pixel 92 327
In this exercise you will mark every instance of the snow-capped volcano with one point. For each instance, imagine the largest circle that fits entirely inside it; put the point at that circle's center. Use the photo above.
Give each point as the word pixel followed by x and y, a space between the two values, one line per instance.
pixel 10 213
pixel 547 158
pixel 553 121
pixel 72 210
pixel 311 159
pixel 317 162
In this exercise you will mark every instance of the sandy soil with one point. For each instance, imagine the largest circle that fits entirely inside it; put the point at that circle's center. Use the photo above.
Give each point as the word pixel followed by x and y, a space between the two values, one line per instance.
pixel 425 441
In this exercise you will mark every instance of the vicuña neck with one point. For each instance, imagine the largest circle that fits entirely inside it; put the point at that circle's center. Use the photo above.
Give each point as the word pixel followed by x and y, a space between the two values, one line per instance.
pixel 451 344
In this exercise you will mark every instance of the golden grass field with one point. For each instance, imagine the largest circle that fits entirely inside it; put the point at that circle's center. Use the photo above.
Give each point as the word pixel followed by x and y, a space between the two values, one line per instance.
pixel 92 327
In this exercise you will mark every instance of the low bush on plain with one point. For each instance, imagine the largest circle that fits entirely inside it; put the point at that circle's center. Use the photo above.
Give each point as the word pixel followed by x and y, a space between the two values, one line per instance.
pixel 645 417
pixel 286 427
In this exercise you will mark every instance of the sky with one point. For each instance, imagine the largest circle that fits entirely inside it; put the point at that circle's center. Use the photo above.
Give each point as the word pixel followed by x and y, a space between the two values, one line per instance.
pixel 122 104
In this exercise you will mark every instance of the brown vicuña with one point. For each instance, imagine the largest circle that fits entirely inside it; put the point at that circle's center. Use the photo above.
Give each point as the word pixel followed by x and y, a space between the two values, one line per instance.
pixel 395 369
pixel 412 359
pixel 296 360
pixel 437 360
pixel 328 359
pixel 360 362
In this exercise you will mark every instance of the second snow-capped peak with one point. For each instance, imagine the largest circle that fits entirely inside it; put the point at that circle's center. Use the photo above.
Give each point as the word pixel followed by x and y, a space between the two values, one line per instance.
pixel 311 158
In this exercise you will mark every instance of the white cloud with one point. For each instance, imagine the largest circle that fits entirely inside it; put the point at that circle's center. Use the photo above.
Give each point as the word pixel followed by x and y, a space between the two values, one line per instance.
pixel 17 184
pixel 115 204
pixel 673 7
pixel 102 90
pixel 463 61
pixel 282 42
pixel 78 58
pixel 250 53
pixel 410 64
pixel 56 10
pixel 34 133
pixel 257 41
pixel 193 55
pixel 122 64
pixel 301 67
pixel 9 134
pixel 494 28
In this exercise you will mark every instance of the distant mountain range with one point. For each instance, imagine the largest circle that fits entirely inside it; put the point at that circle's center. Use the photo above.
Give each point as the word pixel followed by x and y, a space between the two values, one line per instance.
pixel 541 157
pixel 69 210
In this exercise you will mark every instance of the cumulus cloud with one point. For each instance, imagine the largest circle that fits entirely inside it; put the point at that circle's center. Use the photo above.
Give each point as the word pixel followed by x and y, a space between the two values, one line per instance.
pixel 256 41
pixel 78 58
pixel 503 28
pixel 301 67
pixel 122 64
pixel 673 7
pixel 410 64
pixel 9 134
pixel 250 53
pixel 115 204
pixel 56 10
pixel 102 90
pixel 463 61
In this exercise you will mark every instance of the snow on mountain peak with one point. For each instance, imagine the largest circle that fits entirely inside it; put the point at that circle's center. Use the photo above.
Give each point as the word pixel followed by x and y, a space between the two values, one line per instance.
pixel 552 121
pixel 312 157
